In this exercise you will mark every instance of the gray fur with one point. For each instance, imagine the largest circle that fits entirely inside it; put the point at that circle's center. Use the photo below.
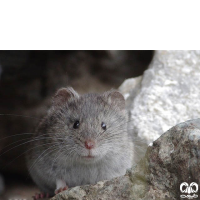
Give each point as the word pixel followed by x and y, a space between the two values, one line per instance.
pixel 57 154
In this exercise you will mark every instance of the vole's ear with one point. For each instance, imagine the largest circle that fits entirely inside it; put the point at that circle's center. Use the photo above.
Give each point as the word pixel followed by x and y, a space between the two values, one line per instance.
pixel 64 95
pixel 114 97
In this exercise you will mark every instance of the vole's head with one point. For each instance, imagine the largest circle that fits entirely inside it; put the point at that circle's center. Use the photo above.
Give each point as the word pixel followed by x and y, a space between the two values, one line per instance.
pixel 88 127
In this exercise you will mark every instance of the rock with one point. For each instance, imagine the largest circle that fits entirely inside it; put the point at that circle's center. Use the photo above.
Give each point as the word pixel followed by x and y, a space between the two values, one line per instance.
pixel 167 94
pixel 171 160
pixel 130 88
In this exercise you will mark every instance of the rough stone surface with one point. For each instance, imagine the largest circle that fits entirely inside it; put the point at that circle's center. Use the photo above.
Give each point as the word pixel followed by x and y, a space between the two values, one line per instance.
pixel 167 94
pixel 171 160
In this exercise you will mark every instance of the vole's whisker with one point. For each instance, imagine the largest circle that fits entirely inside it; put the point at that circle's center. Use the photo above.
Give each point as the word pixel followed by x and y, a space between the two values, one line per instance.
pixel 110 132
pixel 60 153
pixel 115 128
pixel 32 140
pixel 122 124
pixel 16 135
pixel 27 141
pixel 36 160
pixel 29 150
pixel 19 116
pixel 20 134
pixel 55 158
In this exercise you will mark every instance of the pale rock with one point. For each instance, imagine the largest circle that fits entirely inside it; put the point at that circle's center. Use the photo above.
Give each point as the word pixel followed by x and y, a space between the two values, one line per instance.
pixel 167 94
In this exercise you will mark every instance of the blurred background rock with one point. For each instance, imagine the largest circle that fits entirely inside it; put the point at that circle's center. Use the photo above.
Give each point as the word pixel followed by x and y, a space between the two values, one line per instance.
pixel 28 79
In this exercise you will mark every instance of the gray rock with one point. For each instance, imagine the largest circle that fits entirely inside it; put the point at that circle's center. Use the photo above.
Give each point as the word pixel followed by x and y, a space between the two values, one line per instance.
pixel 171 160
pixel 167 94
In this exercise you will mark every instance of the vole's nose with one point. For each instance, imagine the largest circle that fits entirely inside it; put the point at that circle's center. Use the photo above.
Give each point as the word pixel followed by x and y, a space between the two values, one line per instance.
pixel 89 144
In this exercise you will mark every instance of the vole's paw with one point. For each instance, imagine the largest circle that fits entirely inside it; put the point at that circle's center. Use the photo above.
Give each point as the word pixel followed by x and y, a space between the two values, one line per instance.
pixel 61 189
pixel 40 196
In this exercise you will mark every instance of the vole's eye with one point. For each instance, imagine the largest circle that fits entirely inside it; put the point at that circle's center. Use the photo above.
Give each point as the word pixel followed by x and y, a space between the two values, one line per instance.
pixel 76 124
pixel 103 125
